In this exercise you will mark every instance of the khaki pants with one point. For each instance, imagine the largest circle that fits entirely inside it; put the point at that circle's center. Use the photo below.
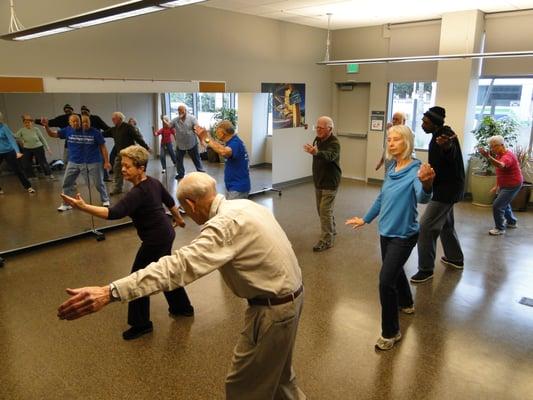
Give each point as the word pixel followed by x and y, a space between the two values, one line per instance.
pixel 325 201
pixel 262 360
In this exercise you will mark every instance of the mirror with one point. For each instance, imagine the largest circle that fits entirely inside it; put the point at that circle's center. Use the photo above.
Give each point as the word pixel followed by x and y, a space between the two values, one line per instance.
pixel 32 219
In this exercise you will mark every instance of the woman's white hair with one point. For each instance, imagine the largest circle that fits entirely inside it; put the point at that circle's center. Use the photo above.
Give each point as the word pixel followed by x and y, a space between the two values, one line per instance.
pixel 408 138
pixel 496 139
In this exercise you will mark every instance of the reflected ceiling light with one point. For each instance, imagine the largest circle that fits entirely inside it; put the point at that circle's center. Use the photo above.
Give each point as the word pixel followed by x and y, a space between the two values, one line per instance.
pixel 441 57
pixel 120 11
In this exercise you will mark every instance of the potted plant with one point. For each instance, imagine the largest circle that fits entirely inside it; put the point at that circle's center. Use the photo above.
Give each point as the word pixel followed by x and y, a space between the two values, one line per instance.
pixel 220 114
pixel 483 176
pixel 525 159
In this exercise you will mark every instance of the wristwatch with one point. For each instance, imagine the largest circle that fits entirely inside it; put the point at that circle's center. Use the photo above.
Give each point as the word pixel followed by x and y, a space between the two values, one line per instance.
pixel 207 140
pixel 115 296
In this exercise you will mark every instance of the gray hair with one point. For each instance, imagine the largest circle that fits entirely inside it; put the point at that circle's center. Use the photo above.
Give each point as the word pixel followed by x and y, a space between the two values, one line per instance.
pixel 119 114
pixel 401 115
pixel 195 186
pixel 137 154
pixel 408 138
pixel 329 121
pixel 496 139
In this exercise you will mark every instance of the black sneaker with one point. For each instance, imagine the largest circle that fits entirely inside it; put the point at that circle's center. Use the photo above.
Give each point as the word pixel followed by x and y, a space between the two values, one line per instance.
pixel 183 312
pixel 137 331
pixel 453 264
pixel 422 276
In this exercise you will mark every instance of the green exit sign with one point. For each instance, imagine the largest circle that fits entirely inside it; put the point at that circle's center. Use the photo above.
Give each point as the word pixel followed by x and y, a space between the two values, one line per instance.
pixel 352 68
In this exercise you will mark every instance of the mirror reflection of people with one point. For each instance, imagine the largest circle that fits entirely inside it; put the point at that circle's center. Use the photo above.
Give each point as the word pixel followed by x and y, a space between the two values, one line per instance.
pixel 232 148
pixel 509 181
pixel 446 158
pixel 186 140
pixel 124 135
pixel 327 172
pixel 10 151
pixel 61 121
pixel 398 118
pixel 86 154
pixel 233 234
pixel 34 145
pixel 409 182
pixel 168 136
pixel 144 204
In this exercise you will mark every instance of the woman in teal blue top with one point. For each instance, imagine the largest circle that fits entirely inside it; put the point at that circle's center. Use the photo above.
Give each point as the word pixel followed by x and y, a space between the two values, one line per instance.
pixel 407 183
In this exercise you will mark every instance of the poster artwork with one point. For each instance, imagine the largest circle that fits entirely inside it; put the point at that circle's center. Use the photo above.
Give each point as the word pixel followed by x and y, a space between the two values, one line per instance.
pixel 288 104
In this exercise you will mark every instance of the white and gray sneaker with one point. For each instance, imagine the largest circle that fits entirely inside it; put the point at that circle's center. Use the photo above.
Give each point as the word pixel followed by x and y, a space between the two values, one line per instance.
pixel 31 190
pixel 496 232
pixel 387 344
pixel 64 207
pixel 106 204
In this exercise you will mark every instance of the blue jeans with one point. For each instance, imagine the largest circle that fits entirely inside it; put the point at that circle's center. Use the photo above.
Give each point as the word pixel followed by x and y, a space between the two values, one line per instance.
pixel 394 290
pixel 94 170
pixel 501 208
pixel 195 157
pixel 166 148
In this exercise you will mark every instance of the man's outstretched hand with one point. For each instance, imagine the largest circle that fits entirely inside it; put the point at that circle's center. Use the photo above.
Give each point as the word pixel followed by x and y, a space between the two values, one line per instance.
pixel 84 301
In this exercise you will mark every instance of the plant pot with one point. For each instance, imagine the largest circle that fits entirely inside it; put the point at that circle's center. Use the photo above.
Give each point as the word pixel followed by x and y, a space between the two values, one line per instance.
pixel 212 155
pixel 520 201
pixel 480 186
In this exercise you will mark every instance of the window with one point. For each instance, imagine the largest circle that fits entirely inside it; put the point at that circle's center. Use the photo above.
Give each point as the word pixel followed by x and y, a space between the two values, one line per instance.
pixel 507 97
pixel 202 105
pixel 413 99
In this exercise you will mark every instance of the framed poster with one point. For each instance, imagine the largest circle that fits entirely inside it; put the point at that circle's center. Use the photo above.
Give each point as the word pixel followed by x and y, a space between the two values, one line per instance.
pixel 377 121
pixel 288 104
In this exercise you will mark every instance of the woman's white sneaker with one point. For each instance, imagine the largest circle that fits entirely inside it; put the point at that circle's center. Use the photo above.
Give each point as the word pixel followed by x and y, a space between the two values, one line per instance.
pixel 387 344
pixel 64 207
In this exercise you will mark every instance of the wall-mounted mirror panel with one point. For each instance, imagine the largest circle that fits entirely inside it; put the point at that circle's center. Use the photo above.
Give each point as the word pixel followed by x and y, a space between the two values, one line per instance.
pixel 32 219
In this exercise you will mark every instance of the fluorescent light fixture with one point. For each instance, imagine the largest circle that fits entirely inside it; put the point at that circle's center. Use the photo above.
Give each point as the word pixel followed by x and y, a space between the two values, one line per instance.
pixel 438 57
pixel 117 17
pixel 128 9
pixel 178 3
pixel 43 33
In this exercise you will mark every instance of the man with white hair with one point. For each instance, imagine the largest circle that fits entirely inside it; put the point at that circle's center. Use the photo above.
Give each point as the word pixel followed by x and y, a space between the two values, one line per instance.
pixel 327 172
pixel 186 140
pixel 124 136
pixel 233 234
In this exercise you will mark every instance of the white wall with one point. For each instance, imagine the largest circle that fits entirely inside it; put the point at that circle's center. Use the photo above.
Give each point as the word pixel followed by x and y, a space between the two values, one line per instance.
pixel 186 43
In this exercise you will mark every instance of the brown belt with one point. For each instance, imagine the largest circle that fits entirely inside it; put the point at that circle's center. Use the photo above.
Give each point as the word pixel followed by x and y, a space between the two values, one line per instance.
pixel 276 300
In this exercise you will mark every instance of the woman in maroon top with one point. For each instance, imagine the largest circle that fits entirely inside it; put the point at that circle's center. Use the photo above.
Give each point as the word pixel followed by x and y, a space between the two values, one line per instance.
pixel 509 180
pixel 144 204
pixel 168 135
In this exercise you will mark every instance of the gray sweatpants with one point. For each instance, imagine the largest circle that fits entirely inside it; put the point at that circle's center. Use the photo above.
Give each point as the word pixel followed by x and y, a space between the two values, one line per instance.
pixel 437 221
pixel 325 201
pixel 262 359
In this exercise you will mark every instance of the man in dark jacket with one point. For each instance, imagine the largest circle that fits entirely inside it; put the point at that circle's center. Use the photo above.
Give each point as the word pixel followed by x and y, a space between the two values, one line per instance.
pixel 124 135
pixel 326 176
pixel 445 156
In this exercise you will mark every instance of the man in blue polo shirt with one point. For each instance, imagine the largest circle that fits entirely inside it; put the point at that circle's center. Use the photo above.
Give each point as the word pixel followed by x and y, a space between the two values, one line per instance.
pixel 86 152
pixel 236 169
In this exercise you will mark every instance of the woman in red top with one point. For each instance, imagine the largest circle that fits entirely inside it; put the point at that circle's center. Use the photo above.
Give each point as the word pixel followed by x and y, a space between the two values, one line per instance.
pixel 509 180
pixel 168 136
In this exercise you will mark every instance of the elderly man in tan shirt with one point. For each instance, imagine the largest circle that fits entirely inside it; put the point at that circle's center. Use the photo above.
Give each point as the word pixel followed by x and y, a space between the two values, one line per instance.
pixel 246 244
